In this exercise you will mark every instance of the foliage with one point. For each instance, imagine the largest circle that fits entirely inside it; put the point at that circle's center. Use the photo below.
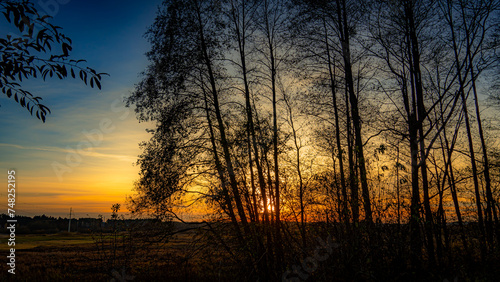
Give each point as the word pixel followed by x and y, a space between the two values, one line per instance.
pixel 42 50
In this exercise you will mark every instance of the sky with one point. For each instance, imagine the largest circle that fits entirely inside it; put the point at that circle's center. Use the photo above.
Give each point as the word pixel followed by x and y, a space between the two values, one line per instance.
pixel 83 157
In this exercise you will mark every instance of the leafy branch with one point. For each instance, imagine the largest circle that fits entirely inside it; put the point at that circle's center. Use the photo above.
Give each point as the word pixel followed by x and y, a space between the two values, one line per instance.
pixel 28 56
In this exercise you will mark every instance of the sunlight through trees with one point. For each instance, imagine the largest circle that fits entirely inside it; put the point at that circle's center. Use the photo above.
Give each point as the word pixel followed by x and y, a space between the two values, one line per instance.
pixel 296 119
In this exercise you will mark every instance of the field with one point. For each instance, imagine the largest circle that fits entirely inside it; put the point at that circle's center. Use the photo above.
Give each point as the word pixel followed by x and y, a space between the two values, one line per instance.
pixel 95 257
pixel 28 241
pixel 198 255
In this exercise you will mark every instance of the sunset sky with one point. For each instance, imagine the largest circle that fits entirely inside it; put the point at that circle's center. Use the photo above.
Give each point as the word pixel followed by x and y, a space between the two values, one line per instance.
pixel 52 176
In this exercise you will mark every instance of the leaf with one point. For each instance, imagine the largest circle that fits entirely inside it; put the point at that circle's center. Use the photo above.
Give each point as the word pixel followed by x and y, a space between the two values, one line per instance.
pixel 45 17
pixel 40 35
pixel 31 29
pixel 16 17
pixel 66 48
pixel 98 84
pixel 25 21
pixel 63 71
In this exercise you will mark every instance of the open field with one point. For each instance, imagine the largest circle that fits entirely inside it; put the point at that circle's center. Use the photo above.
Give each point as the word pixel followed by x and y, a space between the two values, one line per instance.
pixel 94 257
pixel 29 241
pixel 197 255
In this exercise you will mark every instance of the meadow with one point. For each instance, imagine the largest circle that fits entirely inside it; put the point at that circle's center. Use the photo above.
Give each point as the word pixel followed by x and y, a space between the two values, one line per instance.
pixel 105 256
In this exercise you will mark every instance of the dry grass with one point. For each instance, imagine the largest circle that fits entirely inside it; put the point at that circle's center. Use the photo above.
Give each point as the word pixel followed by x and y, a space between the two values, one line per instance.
pixel 76 257
pixel 197 256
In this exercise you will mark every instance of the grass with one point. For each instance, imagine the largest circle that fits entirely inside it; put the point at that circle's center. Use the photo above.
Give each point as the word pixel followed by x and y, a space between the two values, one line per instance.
pixel 75 257
pixel 28 241
pixel 197 256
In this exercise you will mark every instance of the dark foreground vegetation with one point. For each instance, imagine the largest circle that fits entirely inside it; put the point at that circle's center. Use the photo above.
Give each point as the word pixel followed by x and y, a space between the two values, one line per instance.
pixel 198 252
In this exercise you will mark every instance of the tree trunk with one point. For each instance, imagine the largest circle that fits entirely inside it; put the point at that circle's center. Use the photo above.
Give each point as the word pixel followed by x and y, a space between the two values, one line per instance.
pixel 490 202
pixel 271 45
pixel 465 112
pixel 222 132
pixel 353 99
pixel 331 71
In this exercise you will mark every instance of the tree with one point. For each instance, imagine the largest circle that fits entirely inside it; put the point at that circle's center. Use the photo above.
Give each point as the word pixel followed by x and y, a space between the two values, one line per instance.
pixel 185 77
pixel 33 54
pixel 406 43
pixel 223 76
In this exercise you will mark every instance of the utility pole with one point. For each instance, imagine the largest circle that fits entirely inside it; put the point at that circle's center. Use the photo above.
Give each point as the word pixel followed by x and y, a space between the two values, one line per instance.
pixel 69 225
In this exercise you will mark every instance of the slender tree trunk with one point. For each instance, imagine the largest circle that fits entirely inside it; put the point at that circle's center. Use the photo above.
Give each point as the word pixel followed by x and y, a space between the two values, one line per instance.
pixel 299 174
pixel 440 219
pixel 252 179
pixel 410 107
pixel 220 171
pixel 491 212
pixel 222 132
pixel 474 171
pixel 490 202
pixel 271 45
pixel 241 38
pixel 353 181
pixel 421 116
pixel 331 71
pixel 449 173
pixel 344 38
pixel 465 112
pixel 334 186
pixel 397 187
pixel 416 240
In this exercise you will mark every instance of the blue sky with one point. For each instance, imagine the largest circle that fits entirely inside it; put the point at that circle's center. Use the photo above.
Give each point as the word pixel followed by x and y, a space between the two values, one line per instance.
pixel 83 156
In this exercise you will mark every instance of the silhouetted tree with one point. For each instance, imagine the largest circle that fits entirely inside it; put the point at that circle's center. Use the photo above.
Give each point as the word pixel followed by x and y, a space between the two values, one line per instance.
pixel 227 86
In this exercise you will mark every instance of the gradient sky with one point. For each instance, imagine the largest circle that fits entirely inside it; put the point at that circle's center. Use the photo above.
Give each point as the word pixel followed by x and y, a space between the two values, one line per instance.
pixel 52 175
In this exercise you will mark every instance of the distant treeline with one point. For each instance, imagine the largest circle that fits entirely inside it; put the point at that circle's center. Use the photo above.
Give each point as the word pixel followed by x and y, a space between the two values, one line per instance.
pixel 42 224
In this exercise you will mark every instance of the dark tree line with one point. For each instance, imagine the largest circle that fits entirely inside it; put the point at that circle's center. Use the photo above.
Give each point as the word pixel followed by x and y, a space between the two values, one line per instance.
pixel 296 119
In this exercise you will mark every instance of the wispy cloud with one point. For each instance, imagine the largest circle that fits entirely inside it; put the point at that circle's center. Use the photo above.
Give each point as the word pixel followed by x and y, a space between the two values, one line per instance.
pixel 37 148
pixel 90 152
